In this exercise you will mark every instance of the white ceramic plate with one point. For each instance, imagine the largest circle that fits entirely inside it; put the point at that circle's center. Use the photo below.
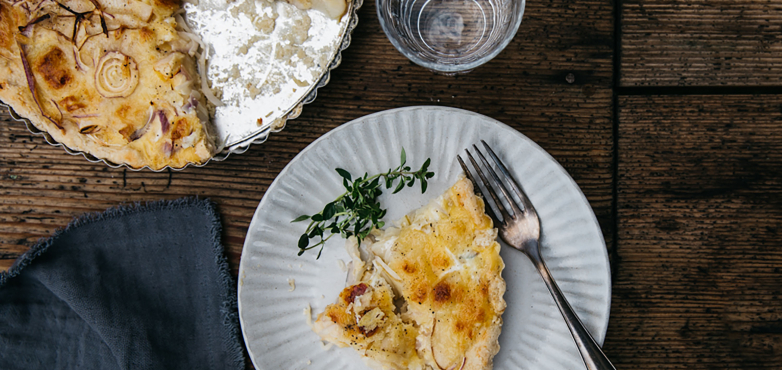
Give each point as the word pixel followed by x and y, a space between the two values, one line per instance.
pixel 534 335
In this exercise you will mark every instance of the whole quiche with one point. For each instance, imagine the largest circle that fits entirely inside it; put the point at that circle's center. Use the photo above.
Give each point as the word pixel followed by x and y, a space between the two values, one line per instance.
pixel 113 78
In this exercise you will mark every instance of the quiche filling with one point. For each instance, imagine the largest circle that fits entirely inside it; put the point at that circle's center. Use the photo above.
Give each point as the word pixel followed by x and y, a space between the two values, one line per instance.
pixel 426 294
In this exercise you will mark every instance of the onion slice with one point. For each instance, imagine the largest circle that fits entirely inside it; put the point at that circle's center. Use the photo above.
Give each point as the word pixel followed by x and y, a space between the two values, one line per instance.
pixel 89 129
pixel 79 65
pixel 101 14
pixel 76 22
pixel 143 130
pixel 38 7
pixel 431 347
pixel 464 358
pixel 168 148
pixel 192 103
pixel 204 86
pixel 181 22
pixel 58 109
pixel 31 84
pixel 116 75
pixel 164 124
pixel 378 262
pixel 201 59
pixel 27 29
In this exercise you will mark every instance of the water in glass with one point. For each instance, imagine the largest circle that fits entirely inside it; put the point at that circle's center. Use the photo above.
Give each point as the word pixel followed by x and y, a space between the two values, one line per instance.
pixel 450 36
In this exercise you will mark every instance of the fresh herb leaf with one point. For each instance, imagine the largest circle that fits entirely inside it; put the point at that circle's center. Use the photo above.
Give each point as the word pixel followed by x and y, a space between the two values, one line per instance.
pixel 344 174
pixel 329 211
pixel 303 241
pixel 357 211
pixel 301 218
pixel 399 187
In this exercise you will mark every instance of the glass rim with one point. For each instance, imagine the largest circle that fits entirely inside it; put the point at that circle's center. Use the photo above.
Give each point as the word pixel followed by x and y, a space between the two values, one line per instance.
pixel 450 68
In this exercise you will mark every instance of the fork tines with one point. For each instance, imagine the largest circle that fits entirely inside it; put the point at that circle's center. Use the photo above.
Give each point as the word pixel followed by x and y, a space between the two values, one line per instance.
pixel 507 206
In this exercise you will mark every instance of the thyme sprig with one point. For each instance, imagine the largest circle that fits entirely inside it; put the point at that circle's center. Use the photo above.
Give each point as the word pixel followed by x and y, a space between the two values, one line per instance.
pixel 357 211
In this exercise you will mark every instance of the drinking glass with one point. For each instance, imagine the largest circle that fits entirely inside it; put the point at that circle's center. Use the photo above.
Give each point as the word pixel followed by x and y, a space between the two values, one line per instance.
pixel 450 36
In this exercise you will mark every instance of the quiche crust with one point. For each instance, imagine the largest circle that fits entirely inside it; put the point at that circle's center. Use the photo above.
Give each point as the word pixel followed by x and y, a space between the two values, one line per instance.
pixel 441 269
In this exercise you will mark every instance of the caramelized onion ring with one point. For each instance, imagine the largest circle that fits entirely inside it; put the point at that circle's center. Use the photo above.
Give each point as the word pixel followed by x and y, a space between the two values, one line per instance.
pixel 116 75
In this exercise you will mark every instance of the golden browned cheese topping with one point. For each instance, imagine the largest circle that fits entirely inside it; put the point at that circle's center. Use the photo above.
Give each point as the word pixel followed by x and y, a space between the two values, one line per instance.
pixel 72 103
pixel 169 4
pixel 54 69
pixel 444 263
pixel 447 264
pixel 367 320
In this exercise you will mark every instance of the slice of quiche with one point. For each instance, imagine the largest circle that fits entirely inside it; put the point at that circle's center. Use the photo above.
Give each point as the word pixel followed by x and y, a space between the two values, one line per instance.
pixel 425 294
pixel 114 78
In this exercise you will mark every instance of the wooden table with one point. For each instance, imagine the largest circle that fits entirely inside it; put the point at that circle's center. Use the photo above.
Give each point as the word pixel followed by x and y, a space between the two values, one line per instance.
pixel 668 115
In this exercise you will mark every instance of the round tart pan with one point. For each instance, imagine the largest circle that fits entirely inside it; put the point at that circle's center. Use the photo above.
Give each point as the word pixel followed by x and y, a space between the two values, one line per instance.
pixel 243 138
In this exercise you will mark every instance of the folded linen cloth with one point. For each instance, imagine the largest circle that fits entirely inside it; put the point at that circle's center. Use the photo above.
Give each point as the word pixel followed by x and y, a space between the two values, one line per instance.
pixel 137 287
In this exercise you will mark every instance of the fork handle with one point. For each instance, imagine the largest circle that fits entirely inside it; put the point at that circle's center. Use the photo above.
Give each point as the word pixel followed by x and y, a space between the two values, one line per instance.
pixel 591 353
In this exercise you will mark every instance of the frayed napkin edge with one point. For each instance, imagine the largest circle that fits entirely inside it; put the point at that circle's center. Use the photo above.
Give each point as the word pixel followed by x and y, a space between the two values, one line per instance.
pixel 229 308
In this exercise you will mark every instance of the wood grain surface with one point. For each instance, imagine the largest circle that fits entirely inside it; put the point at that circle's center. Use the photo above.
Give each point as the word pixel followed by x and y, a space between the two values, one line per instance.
pixel 699 252
pixel 42 188
pixel 687 188
pixel 701 43
pixel 527 86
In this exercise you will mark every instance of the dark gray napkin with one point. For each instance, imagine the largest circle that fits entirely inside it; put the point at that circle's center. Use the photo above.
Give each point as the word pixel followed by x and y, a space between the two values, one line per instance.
pixel 137 287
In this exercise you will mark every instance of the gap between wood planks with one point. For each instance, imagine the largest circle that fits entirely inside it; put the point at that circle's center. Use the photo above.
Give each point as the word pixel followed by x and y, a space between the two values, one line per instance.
pixel 695 90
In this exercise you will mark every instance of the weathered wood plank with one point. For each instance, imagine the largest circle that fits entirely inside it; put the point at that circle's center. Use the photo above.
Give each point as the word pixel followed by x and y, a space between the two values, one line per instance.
pixel 701 43
pixel 699 253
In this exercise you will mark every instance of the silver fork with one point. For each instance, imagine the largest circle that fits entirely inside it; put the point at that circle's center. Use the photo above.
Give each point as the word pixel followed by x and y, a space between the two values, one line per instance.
pixel 519 227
